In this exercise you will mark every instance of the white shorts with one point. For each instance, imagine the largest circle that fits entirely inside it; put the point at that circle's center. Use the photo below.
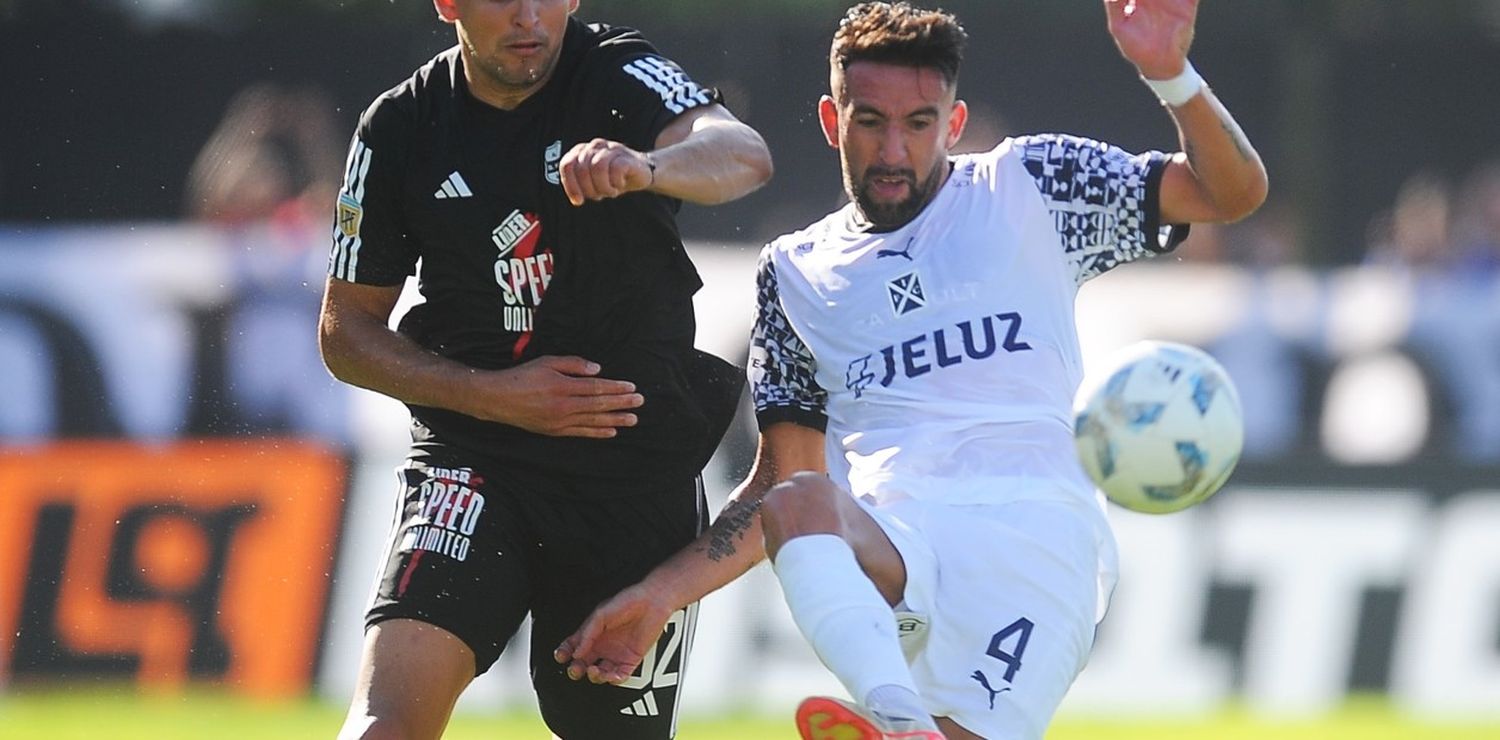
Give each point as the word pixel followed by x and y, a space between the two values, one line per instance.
pixel 1000 606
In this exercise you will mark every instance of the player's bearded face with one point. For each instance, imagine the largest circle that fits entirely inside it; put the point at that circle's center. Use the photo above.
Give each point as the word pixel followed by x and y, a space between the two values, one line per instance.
pixel 893 126
pixel 516 44
pixel 869 193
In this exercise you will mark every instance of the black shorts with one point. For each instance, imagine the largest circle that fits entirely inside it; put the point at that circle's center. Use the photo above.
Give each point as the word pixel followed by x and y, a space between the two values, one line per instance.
pixel 475 550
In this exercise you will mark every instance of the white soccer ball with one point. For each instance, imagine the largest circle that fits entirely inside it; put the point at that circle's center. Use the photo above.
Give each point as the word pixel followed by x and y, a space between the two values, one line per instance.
pixel 1159 428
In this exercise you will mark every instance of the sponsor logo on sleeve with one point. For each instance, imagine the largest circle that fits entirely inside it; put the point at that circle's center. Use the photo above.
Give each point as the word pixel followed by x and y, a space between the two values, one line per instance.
pixel 351 213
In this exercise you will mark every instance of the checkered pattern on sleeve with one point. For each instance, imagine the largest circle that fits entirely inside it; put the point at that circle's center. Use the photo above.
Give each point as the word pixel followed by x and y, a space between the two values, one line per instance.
pixel 1102 200
pixel 782 369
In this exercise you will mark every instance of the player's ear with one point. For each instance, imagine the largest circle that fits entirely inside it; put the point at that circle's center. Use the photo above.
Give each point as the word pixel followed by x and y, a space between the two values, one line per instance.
pixel 572 6
pixel 447 10
pixel 828 118
pixel 958 118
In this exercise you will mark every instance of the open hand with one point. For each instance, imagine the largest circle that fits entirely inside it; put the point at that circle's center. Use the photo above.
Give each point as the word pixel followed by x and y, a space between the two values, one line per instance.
pixel 1154 35
pixel 555 396
pixel 613 641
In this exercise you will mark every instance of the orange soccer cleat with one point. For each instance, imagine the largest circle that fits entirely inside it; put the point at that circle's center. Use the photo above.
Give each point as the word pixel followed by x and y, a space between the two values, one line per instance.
pixel 827 718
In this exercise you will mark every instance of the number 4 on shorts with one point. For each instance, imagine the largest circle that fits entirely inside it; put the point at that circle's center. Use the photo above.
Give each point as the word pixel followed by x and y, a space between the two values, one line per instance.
pixel 1020 630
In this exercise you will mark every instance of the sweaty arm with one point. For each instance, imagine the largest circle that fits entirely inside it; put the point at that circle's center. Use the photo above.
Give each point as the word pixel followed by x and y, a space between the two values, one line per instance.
pixel 549 395
pixel 734 543
pixel 704 156
pixel 1218 176
pixel 613 641
pixel 707 156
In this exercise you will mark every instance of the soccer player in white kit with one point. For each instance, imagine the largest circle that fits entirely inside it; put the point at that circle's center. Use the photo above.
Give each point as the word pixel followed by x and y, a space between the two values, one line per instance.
pixel 915 356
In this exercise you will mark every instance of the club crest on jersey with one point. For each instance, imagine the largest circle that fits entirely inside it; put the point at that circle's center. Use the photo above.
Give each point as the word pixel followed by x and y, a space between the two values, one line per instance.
pixel 350 215
pixel 550 161
pixel 906 293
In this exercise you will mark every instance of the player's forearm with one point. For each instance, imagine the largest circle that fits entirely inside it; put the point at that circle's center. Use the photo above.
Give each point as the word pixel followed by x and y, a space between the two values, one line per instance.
pixel 1225 165
pixel 731 546
pixel 367 354
pixel 718 162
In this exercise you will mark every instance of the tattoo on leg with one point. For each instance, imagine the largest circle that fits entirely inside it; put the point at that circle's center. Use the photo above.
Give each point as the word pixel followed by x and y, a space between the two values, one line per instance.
pixel 730 527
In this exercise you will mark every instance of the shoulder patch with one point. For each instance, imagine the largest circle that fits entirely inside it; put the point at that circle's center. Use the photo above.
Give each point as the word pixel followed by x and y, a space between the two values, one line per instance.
pixel 350 214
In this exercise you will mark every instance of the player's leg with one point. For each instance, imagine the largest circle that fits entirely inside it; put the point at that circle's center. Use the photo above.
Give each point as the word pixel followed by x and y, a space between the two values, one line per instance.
pixel 592 550
pixel 952 731
pixel 410 676
pixel 1012 616
pixel 454 588
pixel 841 575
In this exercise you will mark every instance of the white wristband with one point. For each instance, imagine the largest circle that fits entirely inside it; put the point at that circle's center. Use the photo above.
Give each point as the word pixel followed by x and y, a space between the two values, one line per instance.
pixel 1179 89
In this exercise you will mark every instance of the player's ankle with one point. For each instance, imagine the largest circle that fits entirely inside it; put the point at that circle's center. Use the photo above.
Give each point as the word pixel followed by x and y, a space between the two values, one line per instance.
pixel 894 701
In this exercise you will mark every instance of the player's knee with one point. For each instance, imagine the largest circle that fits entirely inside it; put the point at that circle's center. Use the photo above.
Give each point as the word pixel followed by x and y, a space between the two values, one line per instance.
pixel 805 504
pixel 380 728
pixel 391 722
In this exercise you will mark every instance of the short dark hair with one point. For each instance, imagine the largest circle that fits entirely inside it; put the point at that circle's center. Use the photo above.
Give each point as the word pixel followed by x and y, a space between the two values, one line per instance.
pixel 900 33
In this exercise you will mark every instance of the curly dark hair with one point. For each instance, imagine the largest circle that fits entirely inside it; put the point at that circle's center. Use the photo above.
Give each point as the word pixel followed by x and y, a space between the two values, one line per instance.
pixel 900 33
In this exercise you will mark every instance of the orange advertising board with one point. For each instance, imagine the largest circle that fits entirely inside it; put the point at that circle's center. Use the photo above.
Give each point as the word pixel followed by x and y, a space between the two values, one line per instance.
pixel 192 561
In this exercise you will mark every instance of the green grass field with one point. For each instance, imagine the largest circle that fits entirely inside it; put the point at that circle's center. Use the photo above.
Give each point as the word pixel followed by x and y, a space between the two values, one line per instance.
pixel 70 715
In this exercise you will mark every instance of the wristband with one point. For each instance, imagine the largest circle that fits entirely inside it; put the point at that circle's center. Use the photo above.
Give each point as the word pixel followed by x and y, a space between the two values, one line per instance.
pixel 1178 90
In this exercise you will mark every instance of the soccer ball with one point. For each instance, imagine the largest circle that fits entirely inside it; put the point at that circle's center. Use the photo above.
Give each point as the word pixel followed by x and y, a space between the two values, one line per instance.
pixel 1160 428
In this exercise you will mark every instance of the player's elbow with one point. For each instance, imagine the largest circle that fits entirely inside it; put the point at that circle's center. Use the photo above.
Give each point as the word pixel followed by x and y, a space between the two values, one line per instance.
pixel 752 168
pixel 333 346
pixel 758 161
pixel 1248 199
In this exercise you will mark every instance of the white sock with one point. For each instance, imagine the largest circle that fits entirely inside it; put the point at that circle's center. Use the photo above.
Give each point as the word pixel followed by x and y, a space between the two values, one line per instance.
pixel 897 702
pixel 844 617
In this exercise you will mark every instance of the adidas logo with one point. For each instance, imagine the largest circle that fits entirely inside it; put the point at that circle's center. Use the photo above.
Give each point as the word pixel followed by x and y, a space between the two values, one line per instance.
pixel 454 187
pixel 643 707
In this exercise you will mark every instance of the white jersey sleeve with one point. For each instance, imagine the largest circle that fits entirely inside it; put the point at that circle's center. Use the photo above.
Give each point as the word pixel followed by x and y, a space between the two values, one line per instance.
pixel 1103 200
pixel 782 369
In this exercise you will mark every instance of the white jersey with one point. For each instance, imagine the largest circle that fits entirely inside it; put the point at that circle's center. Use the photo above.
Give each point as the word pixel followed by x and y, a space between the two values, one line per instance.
pixel 943 356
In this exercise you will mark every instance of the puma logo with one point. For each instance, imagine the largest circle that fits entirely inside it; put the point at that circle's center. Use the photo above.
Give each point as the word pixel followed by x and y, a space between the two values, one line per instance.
pixel 985 682
pixel 898 252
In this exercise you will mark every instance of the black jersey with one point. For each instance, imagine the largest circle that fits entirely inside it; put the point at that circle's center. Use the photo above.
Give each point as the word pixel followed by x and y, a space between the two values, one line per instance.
pixel 510 271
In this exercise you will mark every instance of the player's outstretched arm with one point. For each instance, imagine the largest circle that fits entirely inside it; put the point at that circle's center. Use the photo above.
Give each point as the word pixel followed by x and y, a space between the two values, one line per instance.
pixel 1218 175
pixel 704 156
pixel 557 396
pixel 611 643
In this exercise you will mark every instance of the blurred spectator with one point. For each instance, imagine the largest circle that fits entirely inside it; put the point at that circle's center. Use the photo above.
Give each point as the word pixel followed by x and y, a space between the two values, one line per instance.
pixel 1272 350
pixel 1414 234
pixel 270 173
pixel 1266 239
pixel 274 156
pixel 1454 331
pixel 1477 227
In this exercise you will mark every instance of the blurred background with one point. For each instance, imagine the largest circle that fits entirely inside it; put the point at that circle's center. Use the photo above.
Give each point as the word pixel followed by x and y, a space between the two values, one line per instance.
pixel 189 502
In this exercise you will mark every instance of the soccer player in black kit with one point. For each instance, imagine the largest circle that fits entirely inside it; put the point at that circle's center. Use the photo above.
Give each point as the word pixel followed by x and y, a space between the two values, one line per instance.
pixel 560 414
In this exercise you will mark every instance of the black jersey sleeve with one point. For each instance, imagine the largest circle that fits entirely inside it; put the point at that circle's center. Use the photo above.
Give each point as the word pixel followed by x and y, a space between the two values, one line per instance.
pixel 782 371
pixel 370 241
pixel 644 91
pixel 1103 199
